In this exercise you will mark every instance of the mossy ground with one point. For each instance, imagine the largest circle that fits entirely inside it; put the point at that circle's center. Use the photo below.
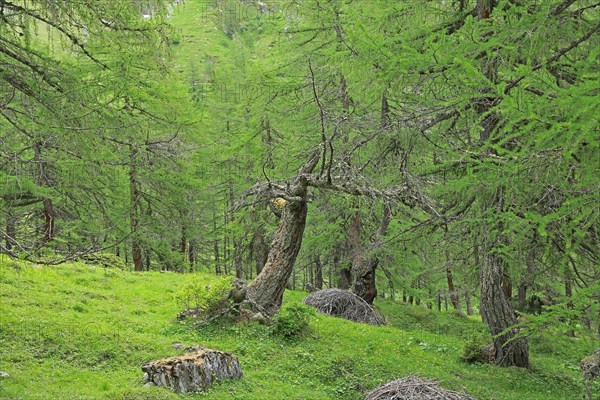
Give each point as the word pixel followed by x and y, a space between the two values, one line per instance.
pixel 77 331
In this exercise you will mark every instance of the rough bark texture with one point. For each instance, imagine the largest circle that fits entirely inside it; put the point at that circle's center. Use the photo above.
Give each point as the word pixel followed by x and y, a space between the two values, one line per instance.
pixel 267 289
pixel 193 372
pixel 364 264
pixel 497 312
pixel 496 309
pixel 136 248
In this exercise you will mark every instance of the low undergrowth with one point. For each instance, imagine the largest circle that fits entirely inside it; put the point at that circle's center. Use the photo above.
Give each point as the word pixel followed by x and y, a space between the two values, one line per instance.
pixel 77 331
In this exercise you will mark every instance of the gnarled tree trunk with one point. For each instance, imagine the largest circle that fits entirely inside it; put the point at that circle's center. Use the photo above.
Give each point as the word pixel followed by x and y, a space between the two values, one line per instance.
pixel 267 289
pixel 364 265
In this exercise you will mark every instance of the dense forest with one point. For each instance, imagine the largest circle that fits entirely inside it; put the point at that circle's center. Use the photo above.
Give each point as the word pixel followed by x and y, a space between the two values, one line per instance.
pixel 438 154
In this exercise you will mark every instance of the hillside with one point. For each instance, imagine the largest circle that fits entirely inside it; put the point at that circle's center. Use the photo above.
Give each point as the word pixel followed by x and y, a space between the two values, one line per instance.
pixel 77 331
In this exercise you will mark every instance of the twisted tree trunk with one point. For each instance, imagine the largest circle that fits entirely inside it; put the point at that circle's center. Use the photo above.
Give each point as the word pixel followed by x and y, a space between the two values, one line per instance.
pixel 268 287
pixel 266 291
pixel 364 264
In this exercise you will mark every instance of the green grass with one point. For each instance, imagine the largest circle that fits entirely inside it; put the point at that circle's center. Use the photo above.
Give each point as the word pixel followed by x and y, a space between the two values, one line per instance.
pixel 82 332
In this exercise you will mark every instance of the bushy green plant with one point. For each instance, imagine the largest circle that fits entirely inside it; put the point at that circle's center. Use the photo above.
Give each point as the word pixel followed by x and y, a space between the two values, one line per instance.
pixel 474 349
pixel 205 299
pixel 293 320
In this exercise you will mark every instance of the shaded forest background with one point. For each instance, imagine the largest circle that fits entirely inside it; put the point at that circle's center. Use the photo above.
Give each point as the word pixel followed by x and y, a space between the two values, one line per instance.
pixel 436 153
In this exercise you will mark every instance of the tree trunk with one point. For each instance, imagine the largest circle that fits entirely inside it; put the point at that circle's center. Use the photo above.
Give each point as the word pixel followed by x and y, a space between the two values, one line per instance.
pixel 49 220
pixel 42 180
pixel 237 258
pixel 468 301
pixel 385 111
pixel 191 257
pixel 364 265
pixel 136 248
pixel 183 247
pixel 449 278
pixel 318 273
pixel 344 94
pixel 496 308
pixel 11 229
pixel 148 263
pixel 497 312
pixel 345 278
pixel 390 278
pixel 260 249
pixel 507 284
pixel 266 290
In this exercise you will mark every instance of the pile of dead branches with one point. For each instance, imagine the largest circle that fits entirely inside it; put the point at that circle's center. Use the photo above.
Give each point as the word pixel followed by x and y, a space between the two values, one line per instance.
pixel 414 388
pixel 344 304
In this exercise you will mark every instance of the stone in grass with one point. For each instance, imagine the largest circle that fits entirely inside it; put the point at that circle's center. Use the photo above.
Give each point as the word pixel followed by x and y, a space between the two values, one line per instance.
pixel 4 374
pixel 193 372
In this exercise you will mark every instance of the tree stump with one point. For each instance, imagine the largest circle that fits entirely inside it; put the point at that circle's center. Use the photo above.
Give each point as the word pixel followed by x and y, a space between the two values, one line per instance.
pixel 193 372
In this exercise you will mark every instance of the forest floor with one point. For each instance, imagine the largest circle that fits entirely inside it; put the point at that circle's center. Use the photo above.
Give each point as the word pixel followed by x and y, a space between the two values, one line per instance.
pixel 82 332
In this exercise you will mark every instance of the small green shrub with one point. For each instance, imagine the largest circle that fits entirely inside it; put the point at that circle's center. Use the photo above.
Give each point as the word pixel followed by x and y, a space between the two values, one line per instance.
pixel 293 320
pixel 205 300
pixel 474 349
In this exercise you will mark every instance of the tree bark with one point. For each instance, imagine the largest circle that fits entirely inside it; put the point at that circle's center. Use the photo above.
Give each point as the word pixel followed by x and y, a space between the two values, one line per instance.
pixel 260 249
pixel 183 245
pixel 364 265
pixel 450 279
pixel 267 289
pixel 497 312
pixel 345 278
pixel 191 256
pixel 136 248
pixel 495 305
pixel 318 273
pixel 507 284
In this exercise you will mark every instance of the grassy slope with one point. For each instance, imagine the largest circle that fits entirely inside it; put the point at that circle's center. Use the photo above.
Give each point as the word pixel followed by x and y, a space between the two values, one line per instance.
pixel 82 332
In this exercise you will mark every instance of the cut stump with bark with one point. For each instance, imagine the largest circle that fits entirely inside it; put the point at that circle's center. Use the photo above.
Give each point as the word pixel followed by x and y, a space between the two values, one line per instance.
pixel 193 372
